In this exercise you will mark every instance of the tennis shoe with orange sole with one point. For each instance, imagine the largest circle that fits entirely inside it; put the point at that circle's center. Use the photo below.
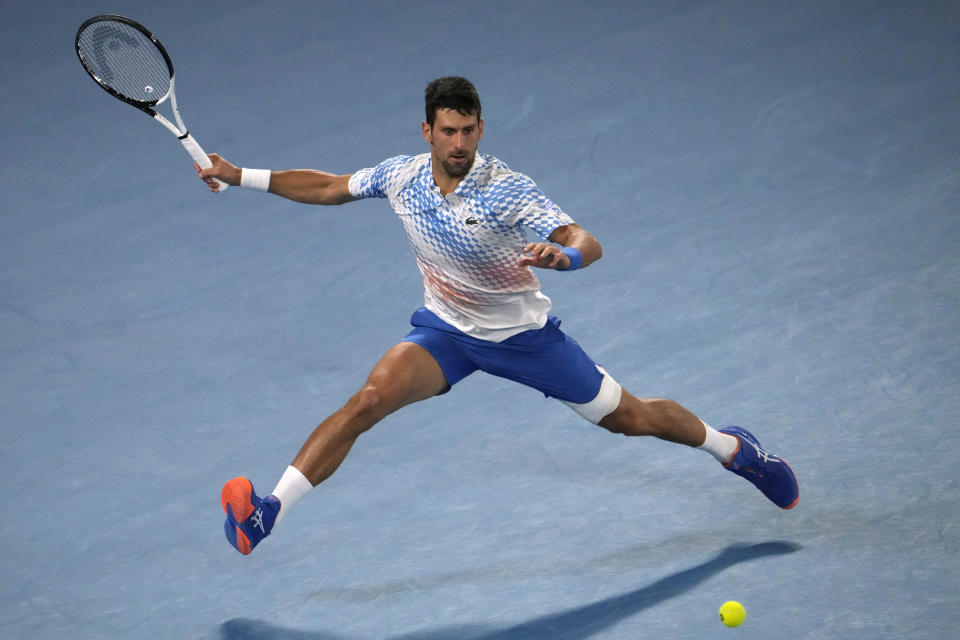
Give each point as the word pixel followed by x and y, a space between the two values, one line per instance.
pixel 249 517
pixel 769 473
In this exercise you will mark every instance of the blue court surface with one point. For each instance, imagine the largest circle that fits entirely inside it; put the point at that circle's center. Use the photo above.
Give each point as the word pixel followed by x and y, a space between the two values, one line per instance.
pixel 776 188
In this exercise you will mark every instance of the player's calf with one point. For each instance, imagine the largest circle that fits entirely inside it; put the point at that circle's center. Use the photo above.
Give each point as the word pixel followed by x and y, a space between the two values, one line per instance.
pixel 657 417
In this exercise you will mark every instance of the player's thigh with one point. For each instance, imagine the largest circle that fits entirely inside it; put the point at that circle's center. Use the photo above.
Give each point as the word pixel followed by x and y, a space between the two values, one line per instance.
pixel 550 362
pixel 406 373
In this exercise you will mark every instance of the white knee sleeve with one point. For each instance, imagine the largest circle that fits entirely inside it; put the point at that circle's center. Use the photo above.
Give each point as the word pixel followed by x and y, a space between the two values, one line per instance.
pixel 608 399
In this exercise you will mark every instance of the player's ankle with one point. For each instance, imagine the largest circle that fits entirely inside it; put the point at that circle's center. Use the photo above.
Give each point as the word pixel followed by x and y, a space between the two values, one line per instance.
pixel 721 446
pixel 292 486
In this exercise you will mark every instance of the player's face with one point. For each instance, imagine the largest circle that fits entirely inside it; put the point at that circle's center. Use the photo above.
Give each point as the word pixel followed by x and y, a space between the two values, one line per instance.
pixel 453 140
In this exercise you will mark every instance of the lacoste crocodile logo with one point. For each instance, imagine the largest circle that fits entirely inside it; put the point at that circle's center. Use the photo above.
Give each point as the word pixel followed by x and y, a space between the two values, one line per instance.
pixel 472 220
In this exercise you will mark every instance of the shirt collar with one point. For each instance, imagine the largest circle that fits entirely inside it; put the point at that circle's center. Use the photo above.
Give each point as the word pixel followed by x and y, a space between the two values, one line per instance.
pixel 467 186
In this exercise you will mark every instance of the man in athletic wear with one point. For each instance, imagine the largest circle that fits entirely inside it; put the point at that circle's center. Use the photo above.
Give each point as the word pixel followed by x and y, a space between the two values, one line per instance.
pixel 465 214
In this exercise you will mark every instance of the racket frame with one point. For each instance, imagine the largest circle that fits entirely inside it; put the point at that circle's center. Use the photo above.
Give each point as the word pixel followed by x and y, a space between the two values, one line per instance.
pixel 179 129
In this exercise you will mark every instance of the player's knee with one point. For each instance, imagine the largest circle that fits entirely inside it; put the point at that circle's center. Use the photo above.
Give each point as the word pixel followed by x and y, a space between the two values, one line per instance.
pixel 639 417
pixel 624 422
pixel 367 406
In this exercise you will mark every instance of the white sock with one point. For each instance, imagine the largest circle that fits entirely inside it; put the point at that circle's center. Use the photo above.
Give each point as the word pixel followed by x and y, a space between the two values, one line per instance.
pixel 721 445
pixel 292 486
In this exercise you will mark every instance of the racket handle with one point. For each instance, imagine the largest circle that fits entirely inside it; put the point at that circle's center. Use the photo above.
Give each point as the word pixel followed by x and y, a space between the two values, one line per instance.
pixel 200 157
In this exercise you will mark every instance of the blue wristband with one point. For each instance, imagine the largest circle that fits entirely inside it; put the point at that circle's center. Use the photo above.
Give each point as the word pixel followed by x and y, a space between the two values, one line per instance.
pixel 576 258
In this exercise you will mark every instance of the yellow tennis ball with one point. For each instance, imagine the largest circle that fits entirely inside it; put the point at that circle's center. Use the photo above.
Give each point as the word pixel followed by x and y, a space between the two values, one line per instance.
pixel 732 613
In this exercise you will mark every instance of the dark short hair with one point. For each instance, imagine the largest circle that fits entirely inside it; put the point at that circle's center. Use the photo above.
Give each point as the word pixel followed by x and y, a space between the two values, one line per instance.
pixel 451 92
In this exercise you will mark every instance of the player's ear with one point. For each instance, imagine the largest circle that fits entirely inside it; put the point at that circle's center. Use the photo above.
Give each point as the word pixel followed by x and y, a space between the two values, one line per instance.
pixel 427 131
pixel 480 128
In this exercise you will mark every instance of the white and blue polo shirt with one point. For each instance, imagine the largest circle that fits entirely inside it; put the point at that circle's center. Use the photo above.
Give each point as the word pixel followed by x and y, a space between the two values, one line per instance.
pixel 468 243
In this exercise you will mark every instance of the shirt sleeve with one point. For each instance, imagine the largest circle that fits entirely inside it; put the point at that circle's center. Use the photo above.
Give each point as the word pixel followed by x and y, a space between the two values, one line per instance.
pixel 378 181
pixel 521 202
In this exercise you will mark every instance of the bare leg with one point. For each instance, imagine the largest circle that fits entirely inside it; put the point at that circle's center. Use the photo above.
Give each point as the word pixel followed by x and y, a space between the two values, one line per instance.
pixel 667 420
pixel 664 419
pixel 407 373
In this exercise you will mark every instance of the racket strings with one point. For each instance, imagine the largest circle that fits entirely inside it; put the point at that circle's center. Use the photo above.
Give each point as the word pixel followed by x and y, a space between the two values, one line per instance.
pixel 125 60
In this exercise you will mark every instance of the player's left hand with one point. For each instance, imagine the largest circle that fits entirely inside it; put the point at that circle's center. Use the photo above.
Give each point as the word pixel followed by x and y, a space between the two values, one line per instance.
pixel 544 256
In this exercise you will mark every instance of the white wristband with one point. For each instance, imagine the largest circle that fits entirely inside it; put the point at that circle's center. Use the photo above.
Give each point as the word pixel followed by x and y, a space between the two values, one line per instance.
pixel 258 179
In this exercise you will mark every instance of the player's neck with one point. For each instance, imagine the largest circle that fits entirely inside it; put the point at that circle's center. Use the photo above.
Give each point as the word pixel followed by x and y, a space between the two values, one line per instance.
pixel 444 181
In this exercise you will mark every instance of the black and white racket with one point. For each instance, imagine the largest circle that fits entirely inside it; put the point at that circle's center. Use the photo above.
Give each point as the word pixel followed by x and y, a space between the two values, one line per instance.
pixel 129 62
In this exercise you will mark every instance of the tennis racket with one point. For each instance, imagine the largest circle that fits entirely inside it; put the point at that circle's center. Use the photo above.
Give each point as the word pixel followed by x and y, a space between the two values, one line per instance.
pixel 129 62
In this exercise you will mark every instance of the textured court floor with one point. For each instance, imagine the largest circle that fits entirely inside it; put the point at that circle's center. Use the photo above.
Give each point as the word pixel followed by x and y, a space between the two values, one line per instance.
pixel 776 188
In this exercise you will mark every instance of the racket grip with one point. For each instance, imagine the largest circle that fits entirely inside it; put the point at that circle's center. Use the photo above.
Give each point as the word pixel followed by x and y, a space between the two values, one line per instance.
pixel 200 157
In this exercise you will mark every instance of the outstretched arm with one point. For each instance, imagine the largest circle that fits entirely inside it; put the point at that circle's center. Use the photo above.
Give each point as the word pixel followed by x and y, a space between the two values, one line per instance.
pixel 301 185
pixel 548 256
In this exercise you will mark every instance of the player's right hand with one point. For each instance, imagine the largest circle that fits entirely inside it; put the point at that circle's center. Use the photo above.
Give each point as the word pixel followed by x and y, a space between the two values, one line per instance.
pixel 221 169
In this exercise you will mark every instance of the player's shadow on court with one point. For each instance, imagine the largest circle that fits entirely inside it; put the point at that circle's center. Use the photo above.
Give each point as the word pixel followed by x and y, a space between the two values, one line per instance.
pixel 572 624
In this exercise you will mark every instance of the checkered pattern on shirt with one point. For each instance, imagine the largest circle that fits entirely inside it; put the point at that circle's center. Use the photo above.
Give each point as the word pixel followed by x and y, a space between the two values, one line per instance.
pixel 467 245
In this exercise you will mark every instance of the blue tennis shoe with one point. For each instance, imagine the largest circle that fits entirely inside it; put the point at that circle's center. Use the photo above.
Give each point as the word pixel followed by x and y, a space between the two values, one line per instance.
pixel 249 517
pixel 769 473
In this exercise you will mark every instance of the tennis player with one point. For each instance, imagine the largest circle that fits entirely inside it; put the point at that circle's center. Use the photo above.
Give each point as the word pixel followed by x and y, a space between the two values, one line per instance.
pixel 465 214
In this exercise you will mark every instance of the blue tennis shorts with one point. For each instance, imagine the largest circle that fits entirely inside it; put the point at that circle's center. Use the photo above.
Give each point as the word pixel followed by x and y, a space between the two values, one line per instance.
pixel 546 359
